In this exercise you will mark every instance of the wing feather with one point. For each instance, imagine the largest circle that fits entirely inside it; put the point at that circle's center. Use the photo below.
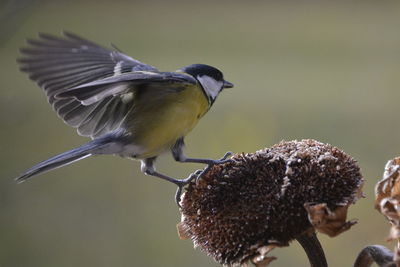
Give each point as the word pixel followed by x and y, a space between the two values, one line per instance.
pixel 87 84
pixel 74 117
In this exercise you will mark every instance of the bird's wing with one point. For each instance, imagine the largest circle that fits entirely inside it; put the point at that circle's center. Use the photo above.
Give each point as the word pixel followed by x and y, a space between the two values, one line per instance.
pixel 57 64
pixel 90 87
pixel 126 83
pixel 113 98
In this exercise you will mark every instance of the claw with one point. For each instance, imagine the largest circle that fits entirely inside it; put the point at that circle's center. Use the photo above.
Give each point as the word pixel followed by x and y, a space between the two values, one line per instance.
pixel 227 154
pixel 225 159
pixel 178 196
pixel 222 160
pixel 203 172
pixel 184 182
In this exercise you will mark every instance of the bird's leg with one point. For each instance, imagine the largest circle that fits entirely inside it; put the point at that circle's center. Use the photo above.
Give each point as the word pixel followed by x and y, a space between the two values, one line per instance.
pixel 177 152
pixel 210 162
pixel 147 167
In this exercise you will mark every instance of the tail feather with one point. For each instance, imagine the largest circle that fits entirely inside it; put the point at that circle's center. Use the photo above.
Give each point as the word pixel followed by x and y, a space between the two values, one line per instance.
pixel 61 160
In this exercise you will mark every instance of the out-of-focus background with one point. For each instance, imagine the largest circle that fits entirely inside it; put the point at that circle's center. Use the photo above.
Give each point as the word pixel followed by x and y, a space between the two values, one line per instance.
pixel 328 70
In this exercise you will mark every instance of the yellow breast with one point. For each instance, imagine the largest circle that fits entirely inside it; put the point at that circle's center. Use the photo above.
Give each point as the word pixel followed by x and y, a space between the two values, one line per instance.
pixel 160 120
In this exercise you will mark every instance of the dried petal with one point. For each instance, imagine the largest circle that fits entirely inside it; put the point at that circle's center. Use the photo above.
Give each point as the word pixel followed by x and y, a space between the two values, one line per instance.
pixel 387 195
pixel 261 259
pixel 389 186
pixel 387 201
pixel 327 221
pixel 183 231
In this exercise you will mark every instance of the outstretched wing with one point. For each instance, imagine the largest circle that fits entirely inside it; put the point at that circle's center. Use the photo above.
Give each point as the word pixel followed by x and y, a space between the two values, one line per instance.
pixel 90 87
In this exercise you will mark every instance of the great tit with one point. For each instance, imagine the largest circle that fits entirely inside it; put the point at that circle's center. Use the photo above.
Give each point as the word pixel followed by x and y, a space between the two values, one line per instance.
pixel 128 108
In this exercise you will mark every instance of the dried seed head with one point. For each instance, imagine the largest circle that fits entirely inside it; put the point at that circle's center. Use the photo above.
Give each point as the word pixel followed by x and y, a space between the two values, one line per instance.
pixel 387 194
pixel 240 210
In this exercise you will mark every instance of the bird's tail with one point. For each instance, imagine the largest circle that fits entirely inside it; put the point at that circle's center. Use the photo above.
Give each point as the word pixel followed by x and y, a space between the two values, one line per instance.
pixel 63 159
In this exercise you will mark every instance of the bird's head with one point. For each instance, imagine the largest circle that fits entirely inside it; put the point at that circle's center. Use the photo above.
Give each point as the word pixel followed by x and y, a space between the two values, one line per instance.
pixel 211 79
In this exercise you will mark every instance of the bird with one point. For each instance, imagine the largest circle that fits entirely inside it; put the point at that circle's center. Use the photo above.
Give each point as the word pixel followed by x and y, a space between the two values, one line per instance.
pixel 127 108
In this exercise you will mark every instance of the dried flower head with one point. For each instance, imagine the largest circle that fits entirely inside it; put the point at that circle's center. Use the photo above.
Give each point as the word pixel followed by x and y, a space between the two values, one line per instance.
pixel 240 210
pixel 387 194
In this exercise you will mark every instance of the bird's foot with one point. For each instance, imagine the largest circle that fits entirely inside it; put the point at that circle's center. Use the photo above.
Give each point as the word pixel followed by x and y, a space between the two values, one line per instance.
pixel 198 175
pixel 222 160
pixel 182 183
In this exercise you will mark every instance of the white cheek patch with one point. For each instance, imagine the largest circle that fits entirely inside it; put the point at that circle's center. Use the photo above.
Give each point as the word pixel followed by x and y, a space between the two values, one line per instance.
pixel 210 85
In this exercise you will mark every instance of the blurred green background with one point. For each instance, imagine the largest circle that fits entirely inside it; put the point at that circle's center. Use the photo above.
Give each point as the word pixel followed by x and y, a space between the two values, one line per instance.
pixel 328 70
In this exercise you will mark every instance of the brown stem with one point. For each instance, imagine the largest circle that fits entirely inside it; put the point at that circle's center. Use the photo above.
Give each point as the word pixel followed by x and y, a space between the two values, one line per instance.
pixel 313 249
pixel 375 253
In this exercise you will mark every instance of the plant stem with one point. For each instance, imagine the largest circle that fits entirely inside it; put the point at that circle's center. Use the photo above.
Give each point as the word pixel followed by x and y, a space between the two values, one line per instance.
pixel 375 253
pixel 313 249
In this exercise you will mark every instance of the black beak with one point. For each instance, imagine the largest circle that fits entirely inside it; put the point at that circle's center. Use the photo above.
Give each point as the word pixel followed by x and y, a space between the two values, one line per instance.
pixel 227 84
